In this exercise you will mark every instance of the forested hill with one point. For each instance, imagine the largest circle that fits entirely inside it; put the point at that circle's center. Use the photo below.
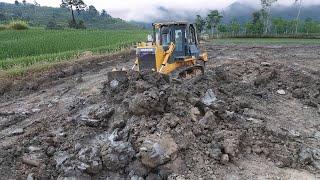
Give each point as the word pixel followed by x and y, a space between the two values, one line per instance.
pixel 37 15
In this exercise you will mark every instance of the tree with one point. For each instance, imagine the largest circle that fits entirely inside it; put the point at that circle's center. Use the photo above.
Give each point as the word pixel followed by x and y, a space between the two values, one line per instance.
pixel 77 5
pixel 298 15
pixel 256 17
pixel 24 2
pixel 36 3
pixel 93 11
pixel 266 13
pixel 213 20
pixel 200 23
pixel 16 2
pixel 104 13
pixel 235 26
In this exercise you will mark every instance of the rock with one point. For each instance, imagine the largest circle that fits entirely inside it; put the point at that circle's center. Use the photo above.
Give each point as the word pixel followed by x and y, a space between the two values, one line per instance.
pixel 30 176
pixel 317 135
pixel 35 110
pixel 16 132
pixel 102 112
pixel 50 151
pixel 152 176
pixel 208 119
pixel 216 152
pixel 281 92
pixel 156 150
pixel 231 147
pixel 146 103
pixel 209 98
pixel 90 161
pixel 60 157
pixel 114 84
pixel 194 112
pixel 116 154
pixel 34 148
pixel 138 169
pixel 256 149
pixel 265 64
pixel 31 161
pixel 135 177
pixel 305 156
pixel 225 159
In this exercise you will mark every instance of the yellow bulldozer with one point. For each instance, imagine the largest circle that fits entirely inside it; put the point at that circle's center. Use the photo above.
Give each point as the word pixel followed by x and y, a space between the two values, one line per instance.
pixel 172 49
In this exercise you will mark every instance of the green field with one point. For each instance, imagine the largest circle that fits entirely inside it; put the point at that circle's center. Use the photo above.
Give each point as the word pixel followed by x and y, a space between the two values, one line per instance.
pixel 271 41
pixel 24 48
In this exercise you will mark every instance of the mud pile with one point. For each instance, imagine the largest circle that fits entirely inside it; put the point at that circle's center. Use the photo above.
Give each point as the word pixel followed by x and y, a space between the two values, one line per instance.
pixel 150 127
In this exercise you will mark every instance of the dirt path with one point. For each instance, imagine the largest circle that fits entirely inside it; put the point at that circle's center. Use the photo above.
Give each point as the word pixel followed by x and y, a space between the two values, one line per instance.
pixel 37 129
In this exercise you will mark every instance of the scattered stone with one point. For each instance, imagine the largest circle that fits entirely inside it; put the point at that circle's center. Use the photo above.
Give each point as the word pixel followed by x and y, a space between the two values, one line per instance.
pixel 114 84
pixel 281 92
pixel 208 119
pixel 209 98
pixel 265 64
pixel 35 110
pixel 146 103
pixel 225 159
pixel 116 154
pixel 30 176
pixel 152 176
pixel 135 177
pixel 79 79
pixel 194 113
pixel 50 151
pixel 34 148
pixel 60 157
pixel 156 150
pixel 317 135
pixel 30 161
pixel 231 147
pixel 16 132
pixel 216 152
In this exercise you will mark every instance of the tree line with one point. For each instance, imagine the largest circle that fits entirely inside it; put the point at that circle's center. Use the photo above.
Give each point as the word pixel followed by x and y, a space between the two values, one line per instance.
pixel 261 23
pixel 79 13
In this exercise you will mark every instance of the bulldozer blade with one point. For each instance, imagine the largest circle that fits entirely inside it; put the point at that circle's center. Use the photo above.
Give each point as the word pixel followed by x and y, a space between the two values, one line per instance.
pixel 117 75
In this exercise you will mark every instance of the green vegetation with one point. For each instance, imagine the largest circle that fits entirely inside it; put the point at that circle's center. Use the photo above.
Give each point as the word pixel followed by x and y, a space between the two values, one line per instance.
pixel 266 41
pixel 260 25
pixel 24 48
pixel 18 25
pixel 37 15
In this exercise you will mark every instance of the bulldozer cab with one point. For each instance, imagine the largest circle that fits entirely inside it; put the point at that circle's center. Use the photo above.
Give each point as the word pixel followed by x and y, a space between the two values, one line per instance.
pixel 182 34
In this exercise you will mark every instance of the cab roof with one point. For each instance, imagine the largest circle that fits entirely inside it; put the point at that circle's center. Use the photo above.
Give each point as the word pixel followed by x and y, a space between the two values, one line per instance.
pixel 171 23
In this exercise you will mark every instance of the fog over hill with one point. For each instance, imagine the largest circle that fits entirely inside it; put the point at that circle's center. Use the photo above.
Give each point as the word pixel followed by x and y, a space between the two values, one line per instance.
pixel 239 10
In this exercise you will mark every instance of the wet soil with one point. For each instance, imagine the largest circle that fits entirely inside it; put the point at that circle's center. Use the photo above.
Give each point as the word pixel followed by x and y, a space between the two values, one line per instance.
pixel 253 115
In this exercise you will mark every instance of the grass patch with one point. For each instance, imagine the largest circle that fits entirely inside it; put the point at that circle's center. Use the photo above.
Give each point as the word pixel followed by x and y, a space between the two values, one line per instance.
pixel 267 41
pixel 33 46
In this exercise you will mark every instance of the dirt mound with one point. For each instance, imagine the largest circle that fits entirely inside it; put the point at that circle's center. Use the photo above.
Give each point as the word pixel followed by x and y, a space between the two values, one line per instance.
pixel 149 127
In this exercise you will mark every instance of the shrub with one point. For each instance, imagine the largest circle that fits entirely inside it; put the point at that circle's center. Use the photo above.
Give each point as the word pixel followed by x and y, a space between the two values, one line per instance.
pixel 2 27
pixel 75 25
pixel 53 25
pixel 18 25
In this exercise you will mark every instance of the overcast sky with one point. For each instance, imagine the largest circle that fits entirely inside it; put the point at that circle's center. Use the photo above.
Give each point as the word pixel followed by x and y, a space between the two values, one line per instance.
pixel 139 9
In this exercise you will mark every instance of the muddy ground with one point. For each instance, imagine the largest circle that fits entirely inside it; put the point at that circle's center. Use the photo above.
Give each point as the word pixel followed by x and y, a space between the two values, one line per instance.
pixel 254 115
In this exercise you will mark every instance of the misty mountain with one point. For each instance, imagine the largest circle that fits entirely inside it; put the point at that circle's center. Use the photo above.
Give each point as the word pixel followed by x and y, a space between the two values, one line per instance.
pixel 240 11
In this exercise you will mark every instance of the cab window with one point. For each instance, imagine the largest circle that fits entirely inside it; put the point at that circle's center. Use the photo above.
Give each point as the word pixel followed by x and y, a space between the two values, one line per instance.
pixel 165 39
pixel 178 40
